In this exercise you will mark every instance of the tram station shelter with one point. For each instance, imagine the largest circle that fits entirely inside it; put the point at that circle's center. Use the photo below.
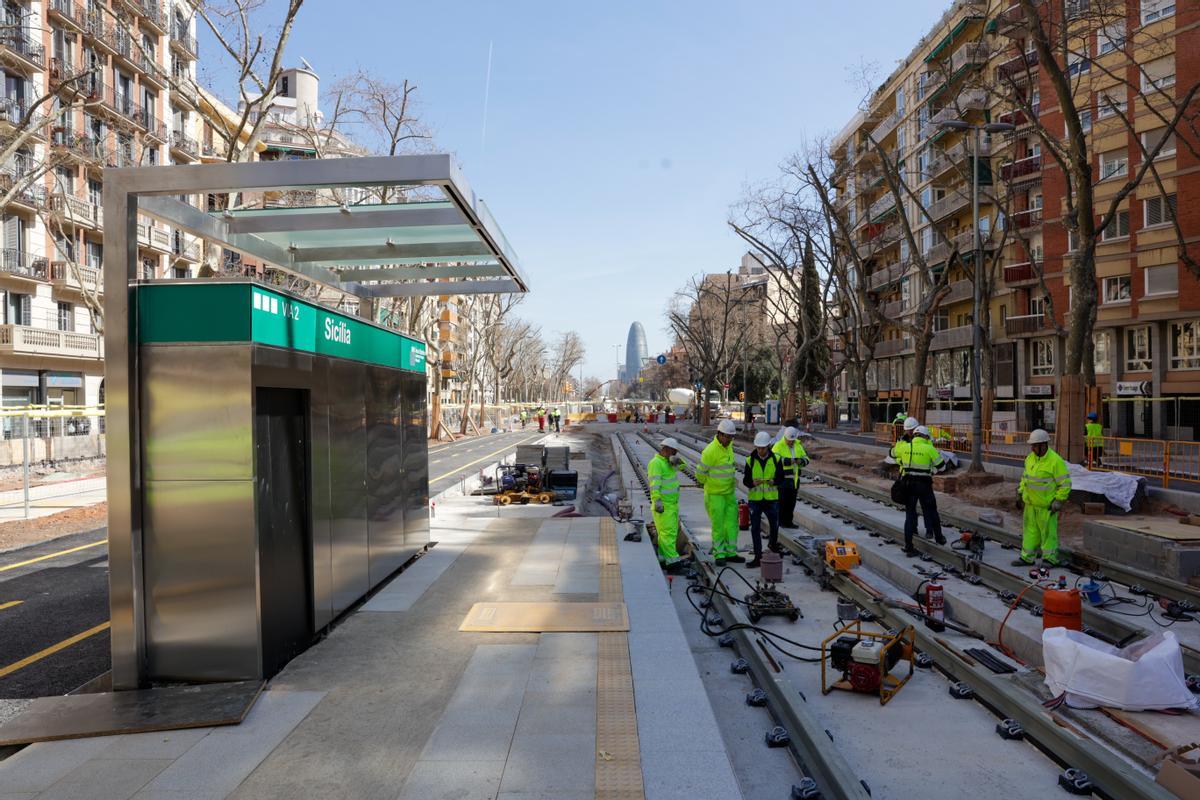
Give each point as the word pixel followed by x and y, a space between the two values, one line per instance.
pixel 267 462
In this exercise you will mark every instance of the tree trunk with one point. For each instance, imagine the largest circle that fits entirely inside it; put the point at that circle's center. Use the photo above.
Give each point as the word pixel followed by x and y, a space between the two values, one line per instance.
pixel 1093 400
pixel 435 415
pixel 803 414
pixel 830 408
pixel 787 408
pixel 987 407
pixel 865 423
pixel 918 399
pixel 1068 431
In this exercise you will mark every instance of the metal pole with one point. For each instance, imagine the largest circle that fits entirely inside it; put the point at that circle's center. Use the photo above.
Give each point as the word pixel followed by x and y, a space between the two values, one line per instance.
pixel 977 314
pixel 25 462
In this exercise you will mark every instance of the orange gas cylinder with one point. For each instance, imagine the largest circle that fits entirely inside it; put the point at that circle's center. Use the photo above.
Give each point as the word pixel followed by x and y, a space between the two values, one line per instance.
pixel 1062 608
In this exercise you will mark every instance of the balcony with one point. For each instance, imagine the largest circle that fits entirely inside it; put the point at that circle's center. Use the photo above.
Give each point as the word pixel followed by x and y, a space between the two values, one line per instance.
pixel 949 205
pixel 76 145
pixel 72 210
pixel 18 49
pixel 962 336
pixel 887 125
pixel 24 340
pixel 938 253
pixel 154 238
pixel 972 100
pixel 959 291
pixel 1024 168
pixel 882 205
pixel 155 128
pixel 183 85
pixel 867 179
pixel 1022 274
pixel 886 275
pixel 1012 22
pixel 62 71
pixel 77 278
pixel 1017 69
pixel 16 263
pixel 12 111
pixel 31 195
pixel 99 27
pixel 115 101
pixel 1027 325
pixel 151 12
pixel 1019 118
pixel 151 71
pixel 185 144
pixel 971 54
pixel 1029 218
pixel 893 310
pixel 184 250
pixel 892 347
pixel 934 125
pixel 66 12
pixel 182 40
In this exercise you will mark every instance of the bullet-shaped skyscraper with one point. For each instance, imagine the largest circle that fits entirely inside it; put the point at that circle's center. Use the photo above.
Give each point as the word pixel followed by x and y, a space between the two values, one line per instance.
pixel 635 351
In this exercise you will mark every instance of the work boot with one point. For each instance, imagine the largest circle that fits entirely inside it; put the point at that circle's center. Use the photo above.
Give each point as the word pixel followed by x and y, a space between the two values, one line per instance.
pixel 940 539
pixel 736 559
pixel 775 548
pixel 720 562
pixel 911 552
pixel 755 564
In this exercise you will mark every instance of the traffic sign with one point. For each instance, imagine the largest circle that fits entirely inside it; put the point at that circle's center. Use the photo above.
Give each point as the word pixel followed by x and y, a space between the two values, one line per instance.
pixel 661 359
pixel 726 385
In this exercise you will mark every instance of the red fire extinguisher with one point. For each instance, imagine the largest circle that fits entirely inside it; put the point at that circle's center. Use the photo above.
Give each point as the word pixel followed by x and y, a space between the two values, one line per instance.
pixel 935 606
pixel 743 515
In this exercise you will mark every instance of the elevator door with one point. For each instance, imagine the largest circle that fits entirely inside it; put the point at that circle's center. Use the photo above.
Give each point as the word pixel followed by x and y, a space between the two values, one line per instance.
pixel 282 511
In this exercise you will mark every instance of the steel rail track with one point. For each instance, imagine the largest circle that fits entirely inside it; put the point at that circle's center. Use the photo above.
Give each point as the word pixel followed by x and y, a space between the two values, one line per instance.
pixel 1112 628
pixel 1055 736
pixel 810 744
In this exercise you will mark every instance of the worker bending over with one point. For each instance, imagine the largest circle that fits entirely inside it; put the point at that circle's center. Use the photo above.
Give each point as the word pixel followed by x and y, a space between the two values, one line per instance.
pixel 1094 432
pixel 664 494
pixel 1045 486
pixel 762 477
pixel 919 460
pixel 716 473
pixel 792 458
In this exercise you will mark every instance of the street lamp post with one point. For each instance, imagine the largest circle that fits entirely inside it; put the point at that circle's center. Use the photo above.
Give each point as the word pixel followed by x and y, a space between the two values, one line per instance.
pixel 976 270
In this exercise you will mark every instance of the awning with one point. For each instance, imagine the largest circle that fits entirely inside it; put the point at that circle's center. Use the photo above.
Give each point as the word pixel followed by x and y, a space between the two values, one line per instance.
pixel 949 38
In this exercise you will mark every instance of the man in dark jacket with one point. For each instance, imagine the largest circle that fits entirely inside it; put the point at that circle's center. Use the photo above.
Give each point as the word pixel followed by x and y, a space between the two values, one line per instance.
pixel 762 477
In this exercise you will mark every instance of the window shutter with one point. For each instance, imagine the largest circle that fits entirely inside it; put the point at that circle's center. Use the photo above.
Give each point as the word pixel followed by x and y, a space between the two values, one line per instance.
pixel 1162 279
pixel 26 310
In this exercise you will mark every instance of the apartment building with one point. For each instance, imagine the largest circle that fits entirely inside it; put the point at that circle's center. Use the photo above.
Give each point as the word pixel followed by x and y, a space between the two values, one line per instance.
pixel 98 84
pixel 1147 347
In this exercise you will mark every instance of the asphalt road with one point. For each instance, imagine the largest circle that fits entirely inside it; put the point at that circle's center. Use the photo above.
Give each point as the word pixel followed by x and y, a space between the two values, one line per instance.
pixel 54 595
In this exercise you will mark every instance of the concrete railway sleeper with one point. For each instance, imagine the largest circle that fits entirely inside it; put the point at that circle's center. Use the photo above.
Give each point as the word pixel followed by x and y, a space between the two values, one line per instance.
pixel 1060 740
pixel 1107 625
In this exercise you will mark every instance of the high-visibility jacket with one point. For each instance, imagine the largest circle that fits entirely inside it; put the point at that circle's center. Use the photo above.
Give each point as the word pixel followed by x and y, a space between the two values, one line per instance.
pixel 664 480
pixel 792 451
pixel 762 469
pixel 917 457
pixel 1095 434
pixel 900 417
pixel 1046 479
pixel 716 471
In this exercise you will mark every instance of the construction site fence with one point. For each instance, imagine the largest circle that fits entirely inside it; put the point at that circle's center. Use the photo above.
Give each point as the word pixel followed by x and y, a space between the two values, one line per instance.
pixel 1171 461
pixel 36 434
pixel 1007 414
pixel 504 416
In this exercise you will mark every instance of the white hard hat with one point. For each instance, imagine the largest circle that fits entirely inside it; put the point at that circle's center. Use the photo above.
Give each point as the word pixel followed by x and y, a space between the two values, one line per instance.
pixel 727 427
pixel 911 424
pixel 1039 437
pixel 669 442
pixel 762 439
pixel 790 433
pixel 921 430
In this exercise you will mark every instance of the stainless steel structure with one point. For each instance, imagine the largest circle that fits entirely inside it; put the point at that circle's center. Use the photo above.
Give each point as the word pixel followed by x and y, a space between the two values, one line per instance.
pixel 191 586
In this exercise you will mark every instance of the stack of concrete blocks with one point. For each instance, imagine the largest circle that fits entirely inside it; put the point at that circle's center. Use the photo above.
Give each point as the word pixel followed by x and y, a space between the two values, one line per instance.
pixel 1170 558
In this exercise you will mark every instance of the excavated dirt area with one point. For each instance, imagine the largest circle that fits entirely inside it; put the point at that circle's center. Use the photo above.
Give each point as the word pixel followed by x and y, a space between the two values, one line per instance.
pixel 21 532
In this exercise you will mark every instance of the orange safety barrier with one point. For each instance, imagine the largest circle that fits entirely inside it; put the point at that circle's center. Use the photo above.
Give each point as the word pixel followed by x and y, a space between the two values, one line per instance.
pixel 885 433
pixel 1147 457
pixel 1183 462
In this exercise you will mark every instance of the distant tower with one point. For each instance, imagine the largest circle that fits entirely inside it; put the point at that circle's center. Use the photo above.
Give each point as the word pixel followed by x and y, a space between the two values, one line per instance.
pixel 635 351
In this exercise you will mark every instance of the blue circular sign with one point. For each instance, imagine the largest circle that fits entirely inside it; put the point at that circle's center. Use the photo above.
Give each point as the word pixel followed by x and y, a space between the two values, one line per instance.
pixel 660 358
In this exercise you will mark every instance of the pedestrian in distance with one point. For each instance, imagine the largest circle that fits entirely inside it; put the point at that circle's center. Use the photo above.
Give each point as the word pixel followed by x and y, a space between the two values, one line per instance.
pixel 762 477
pixel 919 460
pixel 1045 486
pixel 663 474
pixel 792 458
pixel 554 417
pixel 541 418
pixel 524 418
pixel 1094 433
pixel 716 473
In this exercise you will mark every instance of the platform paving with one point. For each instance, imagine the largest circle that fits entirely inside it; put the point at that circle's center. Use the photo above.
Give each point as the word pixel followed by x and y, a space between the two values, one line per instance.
pixel 396 702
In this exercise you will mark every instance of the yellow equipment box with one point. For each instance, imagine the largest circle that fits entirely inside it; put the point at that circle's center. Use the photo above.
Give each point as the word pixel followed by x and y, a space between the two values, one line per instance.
pixel 841 555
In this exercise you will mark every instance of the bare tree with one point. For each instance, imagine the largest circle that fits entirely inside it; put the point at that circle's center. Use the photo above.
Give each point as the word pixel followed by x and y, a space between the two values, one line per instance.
pixel 703 317
pixel 567 353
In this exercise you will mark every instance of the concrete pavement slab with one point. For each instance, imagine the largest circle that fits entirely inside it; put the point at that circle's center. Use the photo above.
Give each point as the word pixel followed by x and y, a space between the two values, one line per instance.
pixel 106 779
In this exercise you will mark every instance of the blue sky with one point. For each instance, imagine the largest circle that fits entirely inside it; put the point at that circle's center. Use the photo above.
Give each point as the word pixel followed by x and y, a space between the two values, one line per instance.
pixel 618 133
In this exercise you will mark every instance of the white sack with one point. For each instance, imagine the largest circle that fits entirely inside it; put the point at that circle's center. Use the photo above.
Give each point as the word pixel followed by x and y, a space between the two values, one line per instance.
pixel 1118 487
pixel 1146 675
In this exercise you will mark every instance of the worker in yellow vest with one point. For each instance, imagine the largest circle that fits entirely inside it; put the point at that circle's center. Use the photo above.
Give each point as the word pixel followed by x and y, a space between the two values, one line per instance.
pixel 663 472
pixel 762 478
pixel 716 473
pixel 792 458
pixel 1045 486
pixel 919 460
pixel 1094 433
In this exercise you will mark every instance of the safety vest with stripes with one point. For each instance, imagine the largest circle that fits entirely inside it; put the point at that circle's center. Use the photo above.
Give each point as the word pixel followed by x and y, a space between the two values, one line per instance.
pixel 1095 434
pixel 793 452
pixel 716 471
pixel 664 480
pixel 762 470
pixel 918 458
pixel 1046 479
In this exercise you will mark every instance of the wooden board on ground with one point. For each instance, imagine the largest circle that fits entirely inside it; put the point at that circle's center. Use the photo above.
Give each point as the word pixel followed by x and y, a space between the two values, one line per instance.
pixel 77 716
pixel 546 617
pixel 1162 528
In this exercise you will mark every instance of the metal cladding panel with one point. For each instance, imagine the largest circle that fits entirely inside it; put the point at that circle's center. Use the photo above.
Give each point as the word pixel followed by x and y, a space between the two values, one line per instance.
pixel 201 582
pixel 196 413
pixel 348 484
pixel 385 472
pixel 416 463
pixel 322 568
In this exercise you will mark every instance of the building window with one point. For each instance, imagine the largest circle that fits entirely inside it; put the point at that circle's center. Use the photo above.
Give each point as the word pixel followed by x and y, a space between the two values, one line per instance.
pixel 1085 119
pixel 1112 101
pixel 1041 362
pixel 1102 352
pixel 1078 63
pixel 1114 164
pixel 1158 74
pixel 1116 228
pixel 1037 306
pixel 1072 241
pixel 1111 37
pixel 1159 210
pixel 1162 280
pixel 19 309
pixel 1117 289
pixel 1137 349
pixel 95 255
pixel 179 273
pixel 66 317
pixel 1150 140
pixel 1156 9
pixel 1185 345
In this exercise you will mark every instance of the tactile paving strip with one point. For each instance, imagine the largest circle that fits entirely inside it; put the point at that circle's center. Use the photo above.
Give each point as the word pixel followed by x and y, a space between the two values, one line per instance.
pixel 618 757
pixel 546 617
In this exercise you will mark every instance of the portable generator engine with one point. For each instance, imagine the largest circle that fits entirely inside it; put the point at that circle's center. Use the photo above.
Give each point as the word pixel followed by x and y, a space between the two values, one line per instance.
pixel 519 483
pixel 766 599
pixel 841 556
pixel 864 660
